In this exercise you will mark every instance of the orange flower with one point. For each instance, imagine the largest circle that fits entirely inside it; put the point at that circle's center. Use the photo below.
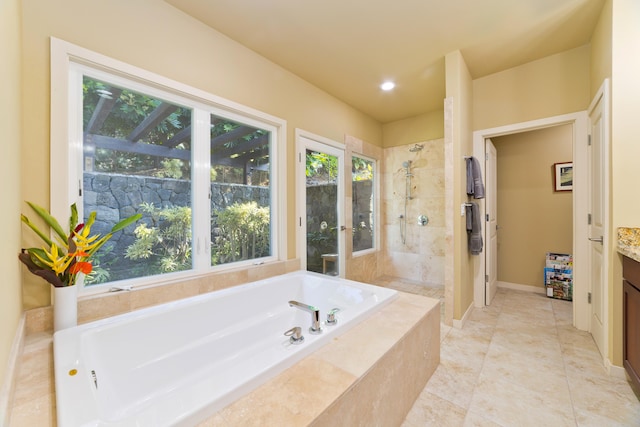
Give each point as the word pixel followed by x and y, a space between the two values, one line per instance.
pixel 79 253
pixel 81 266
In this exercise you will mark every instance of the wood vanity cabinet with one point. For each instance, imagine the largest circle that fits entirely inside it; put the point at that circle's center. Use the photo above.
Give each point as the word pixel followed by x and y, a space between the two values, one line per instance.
pixel 631 274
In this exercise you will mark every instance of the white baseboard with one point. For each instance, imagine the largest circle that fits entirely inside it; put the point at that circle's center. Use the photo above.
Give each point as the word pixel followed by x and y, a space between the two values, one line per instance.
pixel 11 373
pixel 519 287
pixel 614 371
pixel 460 323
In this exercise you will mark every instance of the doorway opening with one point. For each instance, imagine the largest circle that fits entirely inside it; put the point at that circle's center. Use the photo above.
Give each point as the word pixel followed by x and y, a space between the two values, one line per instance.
pixel 578 123
pixel 320 204
pixel 530 217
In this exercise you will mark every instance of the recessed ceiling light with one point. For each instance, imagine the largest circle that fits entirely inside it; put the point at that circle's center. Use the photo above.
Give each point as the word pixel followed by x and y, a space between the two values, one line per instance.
pixel 387 85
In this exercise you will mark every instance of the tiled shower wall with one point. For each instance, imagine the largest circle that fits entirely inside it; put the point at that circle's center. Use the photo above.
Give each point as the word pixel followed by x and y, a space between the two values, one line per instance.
pixel 422 256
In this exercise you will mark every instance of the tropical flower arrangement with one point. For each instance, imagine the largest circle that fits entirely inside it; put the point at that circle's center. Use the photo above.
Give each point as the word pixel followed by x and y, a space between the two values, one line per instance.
pixel 61 260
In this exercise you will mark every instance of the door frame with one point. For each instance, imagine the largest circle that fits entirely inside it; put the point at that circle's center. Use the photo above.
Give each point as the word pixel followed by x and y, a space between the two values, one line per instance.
pixel 490 257
pixel 579 121
pixel 603 95
pixel 306 139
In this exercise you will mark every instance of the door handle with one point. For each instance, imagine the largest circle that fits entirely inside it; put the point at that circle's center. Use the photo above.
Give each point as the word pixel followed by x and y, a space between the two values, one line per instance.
pixel 342 228
pixel 597 239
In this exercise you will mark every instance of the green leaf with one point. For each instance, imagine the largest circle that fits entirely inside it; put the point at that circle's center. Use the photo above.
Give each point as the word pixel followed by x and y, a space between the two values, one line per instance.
pixel 119 226
pixel 125 223
pixel 51 221
pixel 37 251
pixel 89 222
pixel 33 264
pixel 99 243
pixel 73 219
pixel 31 225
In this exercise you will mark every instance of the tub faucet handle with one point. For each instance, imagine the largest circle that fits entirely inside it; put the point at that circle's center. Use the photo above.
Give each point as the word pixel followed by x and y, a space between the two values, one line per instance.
pixel 331 316
pixel 315 327
pixel 295 335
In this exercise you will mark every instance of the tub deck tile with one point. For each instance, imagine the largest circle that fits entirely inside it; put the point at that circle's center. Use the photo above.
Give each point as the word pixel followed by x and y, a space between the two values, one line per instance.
pixel 376 335
pixel 34 399
pixel 294 398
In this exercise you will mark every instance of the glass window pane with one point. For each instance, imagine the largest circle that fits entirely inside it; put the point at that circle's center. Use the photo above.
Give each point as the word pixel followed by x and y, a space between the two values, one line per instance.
pixel 137 159
pixel 240 192
pixel 362 172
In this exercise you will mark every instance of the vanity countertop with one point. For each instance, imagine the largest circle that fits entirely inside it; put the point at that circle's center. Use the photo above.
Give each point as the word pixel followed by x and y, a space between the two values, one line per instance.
pixel 629 242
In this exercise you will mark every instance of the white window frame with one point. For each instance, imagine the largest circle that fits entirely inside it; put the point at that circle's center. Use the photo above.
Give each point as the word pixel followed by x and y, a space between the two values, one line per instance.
pixel 69 63
pixel 376 207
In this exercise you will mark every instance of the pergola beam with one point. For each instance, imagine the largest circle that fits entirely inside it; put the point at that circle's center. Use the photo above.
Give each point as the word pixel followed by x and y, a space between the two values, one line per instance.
pixel 182 135
pixel 242 147
pixel 257 149
pixel 233 135
pixel 242 160
pixel 116 144
pixel 103 109
pixel 161 112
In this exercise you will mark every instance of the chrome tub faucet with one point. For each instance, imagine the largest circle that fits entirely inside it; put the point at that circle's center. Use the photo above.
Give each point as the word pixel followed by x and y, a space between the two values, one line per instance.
pixel 315 327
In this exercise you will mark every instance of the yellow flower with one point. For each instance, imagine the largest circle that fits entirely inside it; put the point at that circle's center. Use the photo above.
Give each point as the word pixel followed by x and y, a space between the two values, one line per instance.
pixel 84 242
pixel 68 254
pixel 58 264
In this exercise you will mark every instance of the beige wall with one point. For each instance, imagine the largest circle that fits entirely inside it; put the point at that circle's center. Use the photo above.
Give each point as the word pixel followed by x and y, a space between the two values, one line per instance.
pixel 600 54
pixel 424 127
pixel 153 35
pixel 551 86
pixel 10 117
pixel 458 134
pixel 533 218
pixel 625 148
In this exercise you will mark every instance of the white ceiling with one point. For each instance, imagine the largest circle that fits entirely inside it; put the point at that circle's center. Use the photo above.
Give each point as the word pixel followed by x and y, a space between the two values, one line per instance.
pixel 348 47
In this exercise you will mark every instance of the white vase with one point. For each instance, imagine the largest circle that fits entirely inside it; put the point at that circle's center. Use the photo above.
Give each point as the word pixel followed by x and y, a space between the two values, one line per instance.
pixel 65 307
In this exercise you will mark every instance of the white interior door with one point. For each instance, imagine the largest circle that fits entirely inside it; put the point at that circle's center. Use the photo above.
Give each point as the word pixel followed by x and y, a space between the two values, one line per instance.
pixel 491 229
pixel 320 180
pixel 597 202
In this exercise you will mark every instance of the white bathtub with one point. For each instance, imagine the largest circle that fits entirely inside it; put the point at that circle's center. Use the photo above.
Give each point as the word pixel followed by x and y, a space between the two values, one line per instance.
pixel 179 363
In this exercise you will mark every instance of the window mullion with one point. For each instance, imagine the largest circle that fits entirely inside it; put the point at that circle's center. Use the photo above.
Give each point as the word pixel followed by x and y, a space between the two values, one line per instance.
pixel 201 190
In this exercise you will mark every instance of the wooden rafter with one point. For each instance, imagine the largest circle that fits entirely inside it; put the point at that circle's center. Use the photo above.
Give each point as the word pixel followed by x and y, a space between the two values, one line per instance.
pixel 237 133
pixel 161 112
pixel 116 144
pixel 241 160
pixel 238 154
pixel 243 147
pixel 182 135
pixel 103 109
pixel 252 150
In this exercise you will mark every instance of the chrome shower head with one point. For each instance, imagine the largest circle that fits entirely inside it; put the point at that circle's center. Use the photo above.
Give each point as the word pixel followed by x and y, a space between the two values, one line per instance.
pixel 416 148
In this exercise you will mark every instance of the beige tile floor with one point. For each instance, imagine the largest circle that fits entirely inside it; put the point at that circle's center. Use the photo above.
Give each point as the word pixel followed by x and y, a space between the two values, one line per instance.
pixel 519 362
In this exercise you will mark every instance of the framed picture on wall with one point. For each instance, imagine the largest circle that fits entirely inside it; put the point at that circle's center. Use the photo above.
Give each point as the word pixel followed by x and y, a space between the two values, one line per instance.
pixel 563 176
